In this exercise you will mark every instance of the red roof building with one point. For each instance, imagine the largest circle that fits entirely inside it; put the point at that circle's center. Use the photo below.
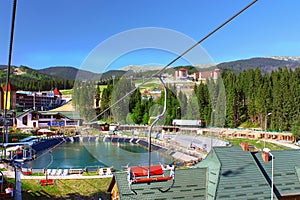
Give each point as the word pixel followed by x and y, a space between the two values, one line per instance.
pixel 181 73
pixel 56 92
pixel 213 74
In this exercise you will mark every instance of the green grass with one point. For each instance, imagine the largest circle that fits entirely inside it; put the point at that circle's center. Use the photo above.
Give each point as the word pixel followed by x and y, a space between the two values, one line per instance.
pixel 37 174
pixel 66 92
pixel 90 174
pixel 17 136
pixel 149 85
pixel 257 143
pixel 66 189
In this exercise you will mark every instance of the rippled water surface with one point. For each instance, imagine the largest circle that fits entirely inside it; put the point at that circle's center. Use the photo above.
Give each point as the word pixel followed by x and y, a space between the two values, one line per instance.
pixel 97 154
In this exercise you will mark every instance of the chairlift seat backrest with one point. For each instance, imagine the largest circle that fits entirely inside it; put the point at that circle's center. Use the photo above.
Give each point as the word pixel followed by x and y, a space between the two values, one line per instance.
pixel 138 171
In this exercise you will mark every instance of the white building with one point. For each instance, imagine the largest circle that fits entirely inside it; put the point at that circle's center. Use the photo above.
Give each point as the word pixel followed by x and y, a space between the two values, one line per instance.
pixel 39 119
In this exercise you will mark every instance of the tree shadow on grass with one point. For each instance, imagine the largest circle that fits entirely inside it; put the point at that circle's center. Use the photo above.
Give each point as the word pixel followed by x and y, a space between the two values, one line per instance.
pixel 74 196
pixel 66 190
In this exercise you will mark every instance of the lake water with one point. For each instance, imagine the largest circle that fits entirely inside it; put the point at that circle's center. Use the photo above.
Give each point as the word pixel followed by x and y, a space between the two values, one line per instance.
pixel 97 154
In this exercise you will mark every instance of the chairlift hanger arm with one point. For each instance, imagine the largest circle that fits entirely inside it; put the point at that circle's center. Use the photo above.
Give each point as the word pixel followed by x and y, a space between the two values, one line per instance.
pixel 149 179
pixel 157 118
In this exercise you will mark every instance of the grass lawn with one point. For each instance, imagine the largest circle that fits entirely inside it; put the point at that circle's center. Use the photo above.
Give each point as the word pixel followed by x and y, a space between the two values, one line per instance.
pixel 14 137
pixel 148 86
pixel 66 92
pixel 257 143
pixel 66 189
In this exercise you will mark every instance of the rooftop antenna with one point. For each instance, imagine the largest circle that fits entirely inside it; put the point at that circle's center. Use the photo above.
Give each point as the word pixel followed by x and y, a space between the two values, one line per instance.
pixel 177 58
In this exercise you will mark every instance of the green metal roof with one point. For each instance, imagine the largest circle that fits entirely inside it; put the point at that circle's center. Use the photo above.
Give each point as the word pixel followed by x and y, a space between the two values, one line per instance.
pixel 48 112
pixel 213 165
pixel 19 114
pixel 234 174
pixel 70 114
pixel 189 184
pixel 73 115
pixel 286 171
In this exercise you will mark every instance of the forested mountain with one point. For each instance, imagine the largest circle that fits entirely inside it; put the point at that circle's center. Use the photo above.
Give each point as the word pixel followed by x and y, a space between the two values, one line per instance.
pixel 72 73
pixel 109 74
pixel 69 73
pixel 266 65
pixel 25 78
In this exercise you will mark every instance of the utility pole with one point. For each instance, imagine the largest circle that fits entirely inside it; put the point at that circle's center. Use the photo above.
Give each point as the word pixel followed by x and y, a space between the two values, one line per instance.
pixel 266 128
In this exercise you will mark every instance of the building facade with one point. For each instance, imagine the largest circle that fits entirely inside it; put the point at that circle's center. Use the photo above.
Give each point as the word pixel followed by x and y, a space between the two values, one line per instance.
pixel 181 73
pixel 39 100
pixel 32 119
pixel 202 76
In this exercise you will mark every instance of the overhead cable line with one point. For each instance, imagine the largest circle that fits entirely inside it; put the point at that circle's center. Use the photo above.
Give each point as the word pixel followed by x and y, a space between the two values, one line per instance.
pixel 14 7
pixel 178 57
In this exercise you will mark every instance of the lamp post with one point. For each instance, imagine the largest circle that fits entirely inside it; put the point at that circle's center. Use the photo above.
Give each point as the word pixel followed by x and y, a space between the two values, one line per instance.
pixel 212 125
pixel 272 190
pixel 266 128
pixel 177 110
pixel 272 172
pixel 51 160
pixel 18 186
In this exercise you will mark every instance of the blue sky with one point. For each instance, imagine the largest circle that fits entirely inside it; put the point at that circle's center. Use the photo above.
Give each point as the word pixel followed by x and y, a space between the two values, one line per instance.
pixel 65 32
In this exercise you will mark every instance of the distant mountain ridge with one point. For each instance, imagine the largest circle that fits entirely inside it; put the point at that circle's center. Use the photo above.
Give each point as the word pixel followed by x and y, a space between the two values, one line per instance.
pixel 72 73
pixel 265 64
pixel 286 58
pixel 69 73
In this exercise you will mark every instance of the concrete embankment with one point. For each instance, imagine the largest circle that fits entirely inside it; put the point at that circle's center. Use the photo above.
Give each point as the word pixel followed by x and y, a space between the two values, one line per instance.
pixel 178 153
pixel 47 143
pixel 140 141
pixel 44 144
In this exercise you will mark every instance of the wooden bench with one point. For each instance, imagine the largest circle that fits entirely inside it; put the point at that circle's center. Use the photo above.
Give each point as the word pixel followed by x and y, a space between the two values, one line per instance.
pixel 44 182
pixel 27 173
pixel 75 171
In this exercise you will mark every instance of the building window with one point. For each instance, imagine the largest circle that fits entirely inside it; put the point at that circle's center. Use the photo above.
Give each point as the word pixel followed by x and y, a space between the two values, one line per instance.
pixel 57 117
pixel 34 116
pixel 25 120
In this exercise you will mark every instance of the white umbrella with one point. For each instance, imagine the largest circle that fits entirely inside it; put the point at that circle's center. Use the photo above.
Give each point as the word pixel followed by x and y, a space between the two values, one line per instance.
pixel 43 130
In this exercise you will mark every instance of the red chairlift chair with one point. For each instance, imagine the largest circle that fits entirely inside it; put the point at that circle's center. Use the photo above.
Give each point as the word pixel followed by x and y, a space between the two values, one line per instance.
pixel 140 174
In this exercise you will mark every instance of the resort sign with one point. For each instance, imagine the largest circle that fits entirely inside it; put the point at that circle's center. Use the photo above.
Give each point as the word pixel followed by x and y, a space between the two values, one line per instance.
pixel 60 123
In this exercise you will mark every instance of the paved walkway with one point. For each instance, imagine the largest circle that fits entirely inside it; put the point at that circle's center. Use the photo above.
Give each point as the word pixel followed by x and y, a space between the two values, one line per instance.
pixel 11 174
pixel 284 143
pixel 184 157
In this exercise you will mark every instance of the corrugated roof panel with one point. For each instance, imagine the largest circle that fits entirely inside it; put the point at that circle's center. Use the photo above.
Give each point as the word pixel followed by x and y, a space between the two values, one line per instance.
pixel 238 175
pixel 286 166
pixel 189 184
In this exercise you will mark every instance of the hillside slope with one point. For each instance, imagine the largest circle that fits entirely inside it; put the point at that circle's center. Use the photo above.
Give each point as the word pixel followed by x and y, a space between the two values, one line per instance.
pixel 69 73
